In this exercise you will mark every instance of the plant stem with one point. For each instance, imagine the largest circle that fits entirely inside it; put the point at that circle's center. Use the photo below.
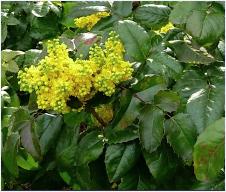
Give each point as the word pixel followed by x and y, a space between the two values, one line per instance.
pixel 100 120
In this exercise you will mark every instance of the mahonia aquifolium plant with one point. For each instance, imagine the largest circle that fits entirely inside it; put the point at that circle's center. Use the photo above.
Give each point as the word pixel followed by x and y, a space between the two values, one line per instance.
pixel 57 77
pixel 89 21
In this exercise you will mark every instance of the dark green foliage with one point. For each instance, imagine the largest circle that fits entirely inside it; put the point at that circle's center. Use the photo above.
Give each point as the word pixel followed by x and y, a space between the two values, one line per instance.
pixel 167 131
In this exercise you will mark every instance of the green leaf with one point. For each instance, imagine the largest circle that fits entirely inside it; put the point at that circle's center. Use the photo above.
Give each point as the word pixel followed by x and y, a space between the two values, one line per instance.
pixel 29 139
pixel 147 82
pixel 123 135
pixel 105 24
pixel 65 176
pixel 120 158
pixel 187 54
pixel 161 164
pixel 67 148
pixel 74 118
pixel 55 9
pixel 151 128
pixel 167 100
pixel 202 25
pixel 121 106
pixel 9 154
pixel 26 161
pixel 44 27
pixel 206 105
pixel 73 10
pixel 165 65
pixel 182 10
pixel 32 56
pixel 201 20
pixel 134 38
pixel 148 94
pixel 181 135
pixel 190 82
pixel 130 115
pixel 3 32
pixel 122 8
pixel 8 55
pixel 40 9
pixel 152 16
pixel 82 174
pixel 11 66
pixel 129 181
pixel 13 20
pixel 51 128
pixel 90 147
pixel 209 151
pixel 18 118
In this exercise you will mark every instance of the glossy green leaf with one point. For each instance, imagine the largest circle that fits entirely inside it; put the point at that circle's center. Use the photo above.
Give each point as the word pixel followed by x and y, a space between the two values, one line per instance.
pixel 190 82
pixel 148 94
pixel 3 31
pixel 151 128
pixel 209 151
pixel 129 181
pixel 201 20
pixel 167 100
pixel 51 128
pixel 32 56
pixel 105 24
pixel 29 139
pixel 202 25
pixel 119 159
pixel 182 10
pixel 9 154
pixel 44 27
pixel 18 118
pixel 26 161
pixel 8 55
pixel 156 161
pixel 123 104
pixel 187 54
pixel 165 65
pixel 90 147
pixel 40 9
pixel 130 115
pixel 152 16
pixel 74 118
pixel 82 174
pixel 123 135
pixel 134 38
pixel 147 82
pixel 67 148
pixel 122 8
pixel 206 105
pixel 181 135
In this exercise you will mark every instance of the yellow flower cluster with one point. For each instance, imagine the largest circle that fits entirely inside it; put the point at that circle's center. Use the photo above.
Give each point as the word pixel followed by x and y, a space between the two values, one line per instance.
pixel 166 28
pixel 105 112
pixel 113 68
pixel 57 76
pixel 89 21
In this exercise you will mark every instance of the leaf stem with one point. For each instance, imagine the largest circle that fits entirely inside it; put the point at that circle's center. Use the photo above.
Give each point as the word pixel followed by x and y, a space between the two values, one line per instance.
pixel 99 119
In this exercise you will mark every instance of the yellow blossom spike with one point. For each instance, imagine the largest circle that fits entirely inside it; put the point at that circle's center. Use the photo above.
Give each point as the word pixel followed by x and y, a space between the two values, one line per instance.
pixel 89 21
pixel 57 77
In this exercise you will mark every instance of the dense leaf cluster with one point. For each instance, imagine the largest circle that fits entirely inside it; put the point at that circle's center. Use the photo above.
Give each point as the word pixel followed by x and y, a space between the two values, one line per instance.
pixel 167 127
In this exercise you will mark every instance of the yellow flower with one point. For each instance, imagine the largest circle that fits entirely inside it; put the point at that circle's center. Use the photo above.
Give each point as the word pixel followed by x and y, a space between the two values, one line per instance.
pixel 165 28
pixel 57 77
pixel 89 21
